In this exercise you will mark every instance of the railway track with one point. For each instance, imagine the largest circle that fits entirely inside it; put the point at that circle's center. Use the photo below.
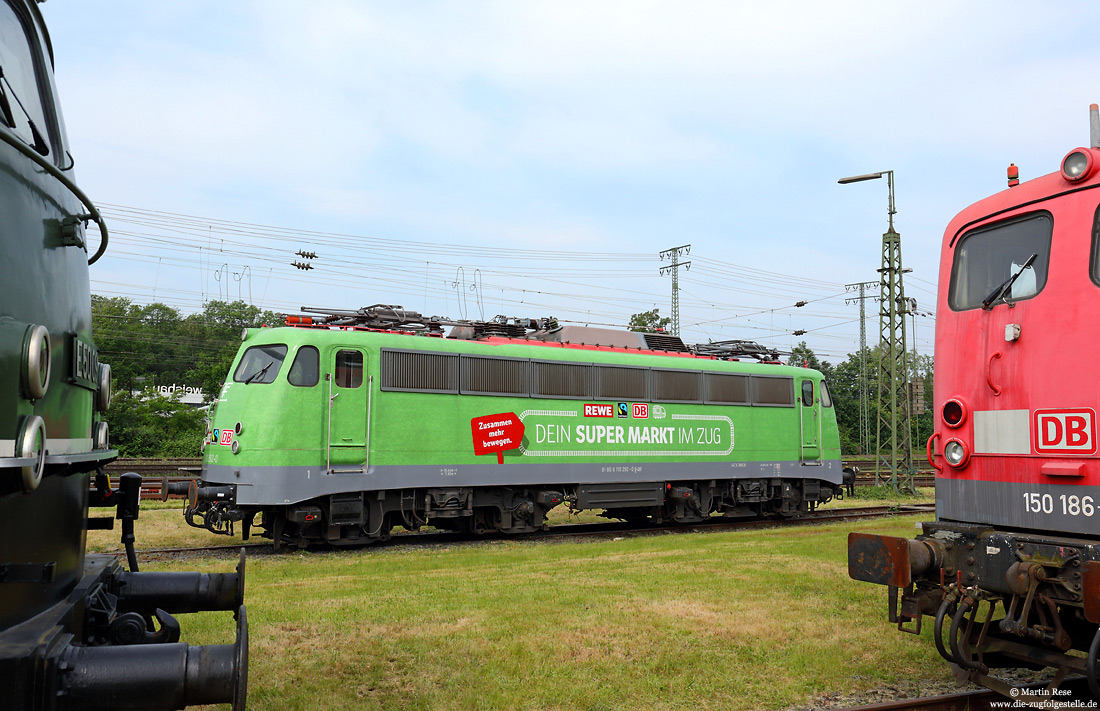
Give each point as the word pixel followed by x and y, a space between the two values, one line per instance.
pixel 194 464
pixel 154 471
pixel 1073 694
pixel 974 700
pixel 574 530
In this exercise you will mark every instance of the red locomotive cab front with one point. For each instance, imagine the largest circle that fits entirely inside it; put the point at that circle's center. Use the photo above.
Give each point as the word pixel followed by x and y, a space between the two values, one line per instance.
pixel 1009 572
pixel 1015 440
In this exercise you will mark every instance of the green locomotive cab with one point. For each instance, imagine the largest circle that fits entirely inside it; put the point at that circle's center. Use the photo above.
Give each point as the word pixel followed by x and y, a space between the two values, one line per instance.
pixel 338 431
pixel 77 631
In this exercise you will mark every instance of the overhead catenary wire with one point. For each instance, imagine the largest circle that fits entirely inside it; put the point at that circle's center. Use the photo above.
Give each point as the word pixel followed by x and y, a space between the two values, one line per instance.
pixel 581 285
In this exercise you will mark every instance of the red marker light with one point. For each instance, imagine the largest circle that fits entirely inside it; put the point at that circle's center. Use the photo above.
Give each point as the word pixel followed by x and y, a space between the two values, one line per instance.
pixel 1013 175
pixel 955 413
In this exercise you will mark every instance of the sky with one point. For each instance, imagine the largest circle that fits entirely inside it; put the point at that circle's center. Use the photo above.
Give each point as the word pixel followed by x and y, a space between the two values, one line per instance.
pixel 469 159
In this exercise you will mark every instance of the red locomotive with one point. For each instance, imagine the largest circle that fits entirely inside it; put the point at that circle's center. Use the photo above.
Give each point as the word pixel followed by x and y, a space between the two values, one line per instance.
pixel 1009 572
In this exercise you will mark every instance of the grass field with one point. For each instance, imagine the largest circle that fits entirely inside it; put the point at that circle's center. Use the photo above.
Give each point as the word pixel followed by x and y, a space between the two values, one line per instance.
pixel 161 524
pixel 764 619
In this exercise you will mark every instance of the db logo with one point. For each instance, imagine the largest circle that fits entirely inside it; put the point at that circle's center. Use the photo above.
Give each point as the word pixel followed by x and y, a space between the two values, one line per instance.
pixel 227 437
pixel 1065 431
pixel 641 411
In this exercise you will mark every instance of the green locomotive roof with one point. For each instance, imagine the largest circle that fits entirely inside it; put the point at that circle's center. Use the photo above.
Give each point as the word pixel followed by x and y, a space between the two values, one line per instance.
pixel 515 348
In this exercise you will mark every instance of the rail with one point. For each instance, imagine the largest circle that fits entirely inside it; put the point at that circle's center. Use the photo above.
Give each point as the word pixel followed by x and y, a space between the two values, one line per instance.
pixel 154 471
pixel 570 530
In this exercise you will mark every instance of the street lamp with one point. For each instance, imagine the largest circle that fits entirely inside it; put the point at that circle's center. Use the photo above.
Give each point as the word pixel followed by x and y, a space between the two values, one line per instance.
pixel 875 176
pixel 893 438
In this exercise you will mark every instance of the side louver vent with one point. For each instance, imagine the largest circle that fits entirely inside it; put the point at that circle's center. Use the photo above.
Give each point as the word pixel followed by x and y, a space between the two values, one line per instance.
pixel 664 342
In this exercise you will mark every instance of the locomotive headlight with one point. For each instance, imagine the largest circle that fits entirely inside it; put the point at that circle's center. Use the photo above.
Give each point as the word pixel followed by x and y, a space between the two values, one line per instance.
pixel 103 394
pixel 1078 165
pixel 32 444
pixel 956 453
pixel 101 437
pixel 36 362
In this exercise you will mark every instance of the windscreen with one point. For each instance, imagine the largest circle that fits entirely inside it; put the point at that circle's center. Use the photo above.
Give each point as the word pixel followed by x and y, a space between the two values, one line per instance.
pixel 260 364
pixel 989 257
pixel 19 86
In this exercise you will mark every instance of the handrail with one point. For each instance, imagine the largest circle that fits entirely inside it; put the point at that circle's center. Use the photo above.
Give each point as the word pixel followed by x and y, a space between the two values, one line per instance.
pixel 989 373
pixel 929 451
pixel 53 170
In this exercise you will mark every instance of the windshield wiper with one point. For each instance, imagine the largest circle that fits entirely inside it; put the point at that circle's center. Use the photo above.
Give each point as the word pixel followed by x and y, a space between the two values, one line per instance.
pixel 39 142
pixel 1004 287
pixel 258 373
pixel 5 106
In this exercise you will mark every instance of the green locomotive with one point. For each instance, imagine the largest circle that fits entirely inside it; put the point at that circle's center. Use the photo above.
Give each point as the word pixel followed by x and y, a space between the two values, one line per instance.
pixel 338 428
pixel 77 631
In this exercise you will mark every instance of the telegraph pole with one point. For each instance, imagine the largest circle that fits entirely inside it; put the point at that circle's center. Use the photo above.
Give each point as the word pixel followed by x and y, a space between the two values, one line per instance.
pixel 864 420
pixel 673 254
pixel 893 441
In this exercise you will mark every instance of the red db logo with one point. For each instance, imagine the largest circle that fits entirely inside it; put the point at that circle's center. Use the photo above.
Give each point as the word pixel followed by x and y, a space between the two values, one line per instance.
pixel 1065 431
pixel 641 411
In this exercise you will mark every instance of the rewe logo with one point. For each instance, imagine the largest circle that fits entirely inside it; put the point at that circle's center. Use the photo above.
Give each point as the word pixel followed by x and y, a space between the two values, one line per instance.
pixel 599 411
pixel 1067 431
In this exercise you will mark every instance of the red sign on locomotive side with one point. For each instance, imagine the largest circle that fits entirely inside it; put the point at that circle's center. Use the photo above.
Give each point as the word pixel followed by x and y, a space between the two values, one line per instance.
pixel 496 433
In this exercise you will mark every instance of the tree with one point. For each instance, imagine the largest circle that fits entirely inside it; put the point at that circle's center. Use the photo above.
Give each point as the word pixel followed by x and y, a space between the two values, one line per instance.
pixel 844 385
pixel 154 345
pixel 147 424
pixel 804 357
pixel 648 322
pixel 141 343
pixel 218 328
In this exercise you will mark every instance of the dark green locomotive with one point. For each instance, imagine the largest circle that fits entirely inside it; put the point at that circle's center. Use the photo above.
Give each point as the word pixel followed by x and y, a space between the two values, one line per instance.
pixel 76 631
pixel 339 429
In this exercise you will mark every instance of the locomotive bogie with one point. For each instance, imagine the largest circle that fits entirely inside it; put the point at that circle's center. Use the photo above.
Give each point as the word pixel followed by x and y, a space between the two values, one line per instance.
pixel 364 517
pixel 1039 594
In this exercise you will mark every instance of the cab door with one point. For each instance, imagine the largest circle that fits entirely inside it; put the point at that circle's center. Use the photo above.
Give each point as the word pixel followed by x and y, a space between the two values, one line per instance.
pixel 347 409
pixel 810 420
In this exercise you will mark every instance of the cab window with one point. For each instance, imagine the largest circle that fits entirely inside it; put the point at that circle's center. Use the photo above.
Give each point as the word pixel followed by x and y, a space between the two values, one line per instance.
pixel 1094 261
pixel 304 371
pixel 260 364
pixel 19 85
pixel 826 399
pixel 349 369
pixel 988 257
pixel 807 392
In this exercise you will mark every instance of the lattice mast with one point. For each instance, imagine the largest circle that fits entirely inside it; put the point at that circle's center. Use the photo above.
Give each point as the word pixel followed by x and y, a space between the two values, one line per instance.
pixel 893 448
pixel 673 254
pixel 864 390
pixel 893 445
